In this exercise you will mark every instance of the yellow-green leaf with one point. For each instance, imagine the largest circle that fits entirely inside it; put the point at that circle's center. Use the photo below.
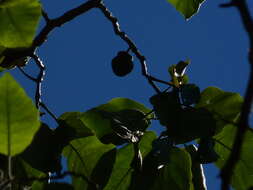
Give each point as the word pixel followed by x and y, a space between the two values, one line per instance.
pixel 19 119
pixel 18 23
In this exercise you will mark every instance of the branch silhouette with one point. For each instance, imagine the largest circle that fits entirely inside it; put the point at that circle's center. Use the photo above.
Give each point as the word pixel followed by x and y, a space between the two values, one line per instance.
pixel 228 169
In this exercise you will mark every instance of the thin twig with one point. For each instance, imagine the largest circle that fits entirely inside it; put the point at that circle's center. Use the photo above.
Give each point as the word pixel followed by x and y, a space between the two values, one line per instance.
pixel 227 170
pixel 48 111
pixel 45 15
pixel 27 75
pixel 39 79
pixel 161 81
pixel 131 45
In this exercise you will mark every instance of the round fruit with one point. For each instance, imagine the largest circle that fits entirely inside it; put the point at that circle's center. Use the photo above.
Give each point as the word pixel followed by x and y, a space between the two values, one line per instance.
pixel 122 64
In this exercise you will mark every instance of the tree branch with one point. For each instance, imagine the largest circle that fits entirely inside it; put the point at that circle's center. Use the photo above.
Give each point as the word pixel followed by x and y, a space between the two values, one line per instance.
pixel 131 45
pixel 39 79
pixel 227 170
pixel 66 17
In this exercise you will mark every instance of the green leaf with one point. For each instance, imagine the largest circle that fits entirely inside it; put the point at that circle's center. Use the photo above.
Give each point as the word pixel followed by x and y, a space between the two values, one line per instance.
pixel 20 19
pixel 19 119
pixel 70 128
pixel 53 186
pixel 101 119
pixel 22 170
pixel 225 106
pixel 146 143
pixel 84 155
pixel 104 165
pixel 242 178
pixel 177 173
pixel 122 173
pixel 208 95
pixel 187 7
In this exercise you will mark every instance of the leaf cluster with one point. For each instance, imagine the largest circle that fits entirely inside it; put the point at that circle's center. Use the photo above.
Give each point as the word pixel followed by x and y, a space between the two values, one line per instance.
pixel 111 146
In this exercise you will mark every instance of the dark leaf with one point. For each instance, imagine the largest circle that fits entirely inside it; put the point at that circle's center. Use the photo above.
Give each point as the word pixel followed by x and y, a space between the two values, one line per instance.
pixel 167 107
pixel 192 124
pixel 43 153
pixel 190 94
pixel 206 153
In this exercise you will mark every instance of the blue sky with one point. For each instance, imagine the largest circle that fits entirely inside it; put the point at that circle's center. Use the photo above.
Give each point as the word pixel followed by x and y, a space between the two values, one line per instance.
pixel 78 55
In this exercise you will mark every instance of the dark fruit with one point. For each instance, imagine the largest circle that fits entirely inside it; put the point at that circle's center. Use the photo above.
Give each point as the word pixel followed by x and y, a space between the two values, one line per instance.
pixel 122 64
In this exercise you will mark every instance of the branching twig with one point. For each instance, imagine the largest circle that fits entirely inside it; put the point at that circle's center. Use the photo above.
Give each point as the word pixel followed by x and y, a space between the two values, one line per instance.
pixel 227 171
pixel 131 45
pixel 66 17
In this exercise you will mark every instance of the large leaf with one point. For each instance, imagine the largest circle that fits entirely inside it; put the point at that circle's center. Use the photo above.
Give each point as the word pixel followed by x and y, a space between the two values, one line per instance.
pixel 192 124
pixel 243 173
pixel 19 119
pixel 224 106
pixel 70 127
pixel 227 105
pixel 176 174
pixel 167 107
pixel 104 120
pixel 83 155
pixel 186 7
pixel 183 124
pixel 123 172
pixel 104 165
pixel 18 23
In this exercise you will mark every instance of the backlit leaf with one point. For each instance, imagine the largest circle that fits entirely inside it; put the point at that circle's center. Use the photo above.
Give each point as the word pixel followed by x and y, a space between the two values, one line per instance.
pixel 187 7
pixel 18 23
pixel 19 119
pixel 243 173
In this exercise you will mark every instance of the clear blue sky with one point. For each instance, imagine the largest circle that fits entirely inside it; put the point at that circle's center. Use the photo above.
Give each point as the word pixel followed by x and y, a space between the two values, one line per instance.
pixel 78 55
